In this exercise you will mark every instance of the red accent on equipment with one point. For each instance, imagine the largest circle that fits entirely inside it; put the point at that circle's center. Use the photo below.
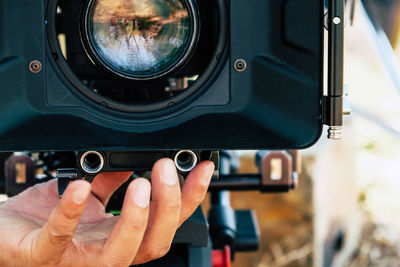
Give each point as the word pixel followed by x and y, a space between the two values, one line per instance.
pixel 221 258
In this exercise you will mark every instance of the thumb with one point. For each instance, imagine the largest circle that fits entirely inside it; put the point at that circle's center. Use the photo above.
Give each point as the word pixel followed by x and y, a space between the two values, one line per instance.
pixel 57 233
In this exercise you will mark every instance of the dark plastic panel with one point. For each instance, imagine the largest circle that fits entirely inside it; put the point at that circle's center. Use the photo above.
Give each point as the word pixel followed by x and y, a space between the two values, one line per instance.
pixel 274 104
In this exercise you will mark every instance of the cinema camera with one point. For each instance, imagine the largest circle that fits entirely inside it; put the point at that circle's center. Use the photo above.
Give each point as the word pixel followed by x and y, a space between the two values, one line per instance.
pixel 121 83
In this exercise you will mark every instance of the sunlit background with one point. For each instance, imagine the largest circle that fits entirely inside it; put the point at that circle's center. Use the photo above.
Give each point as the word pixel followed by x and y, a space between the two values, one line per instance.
pixel 346 211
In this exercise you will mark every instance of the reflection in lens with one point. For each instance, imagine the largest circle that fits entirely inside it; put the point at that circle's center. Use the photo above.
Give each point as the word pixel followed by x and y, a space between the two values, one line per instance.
pixel 141 39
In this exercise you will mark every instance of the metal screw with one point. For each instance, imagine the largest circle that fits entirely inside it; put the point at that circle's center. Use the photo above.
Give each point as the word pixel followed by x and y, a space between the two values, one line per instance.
pixel 335 132
pixel 240 65
pixel 35 66
pixel 336 20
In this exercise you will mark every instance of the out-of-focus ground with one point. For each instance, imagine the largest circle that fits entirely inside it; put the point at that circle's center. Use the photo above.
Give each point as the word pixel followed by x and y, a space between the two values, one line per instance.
pixel 350 186
pixel 285 222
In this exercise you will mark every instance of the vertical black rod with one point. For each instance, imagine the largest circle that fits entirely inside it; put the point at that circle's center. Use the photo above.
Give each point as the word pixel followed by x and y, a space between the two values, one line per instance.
pixel 335 47
pixel 222 197
pixel 334 99
pixel 221 217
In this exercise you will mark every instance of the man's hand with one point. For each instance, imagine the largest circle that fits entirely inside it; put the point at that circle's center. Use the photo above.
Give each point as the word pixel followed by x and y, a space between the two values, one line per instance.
pixel 39 229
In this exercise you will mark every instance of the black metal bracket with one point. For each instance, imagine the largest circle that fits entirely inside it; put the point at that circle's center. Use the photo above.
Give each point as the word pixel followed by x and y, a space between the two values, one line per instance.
pixel 280 178
pixel 65 176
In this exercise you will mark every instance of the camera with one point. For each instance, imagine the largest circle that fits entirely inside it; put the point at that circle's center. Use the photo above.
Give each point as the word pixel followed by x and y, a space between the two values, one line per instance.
pixel 91 86
pixel 103 75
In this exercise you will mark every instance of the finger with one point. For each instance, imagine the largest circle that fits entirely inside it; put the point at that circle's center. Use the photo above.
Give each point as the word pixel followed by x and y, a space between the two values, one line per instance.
pixel 57 233
pixel 195 188
pixel 105 184
pixel 164 212
pixel 124 241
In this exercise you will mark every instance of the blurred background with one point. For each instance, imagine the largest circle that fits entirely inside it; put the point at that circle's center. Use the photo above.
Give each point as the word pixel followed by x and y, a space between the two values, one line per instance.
pixel 346 209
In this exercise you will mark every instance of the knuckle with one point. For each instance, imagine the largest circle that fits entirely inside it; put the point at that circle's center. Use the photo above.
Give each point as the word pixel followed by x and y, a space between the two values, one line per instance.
pixel 58 236
pixel 134 227
pixel 69 215
pixel 172 206
pixel 108 260
pixel 113 262
pixel 156 253
pixel 202 187
pixel 138 225
pixel 197 198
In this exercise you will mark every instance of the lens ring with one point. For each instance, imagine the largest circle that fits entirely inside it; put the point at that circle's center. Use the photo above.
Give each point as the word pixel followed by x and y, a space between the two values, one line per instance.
pixel 169 65
pixel 131 115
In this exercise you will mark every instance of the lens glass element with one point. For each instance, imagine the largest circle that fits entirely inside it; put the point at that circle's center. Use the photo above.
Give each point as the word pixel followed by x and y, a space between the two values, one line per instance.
pixel 141 39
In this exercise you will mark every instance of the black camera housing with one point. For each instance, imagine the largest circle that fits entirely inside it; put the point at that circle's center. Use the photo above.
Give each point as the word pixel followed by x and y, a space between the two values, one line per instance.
pixel 274 103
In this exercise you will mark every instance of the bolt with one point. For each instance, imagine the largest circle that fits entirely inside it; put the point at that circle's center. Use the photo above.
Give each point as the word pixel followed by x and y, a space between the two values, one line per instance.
pixel 240 65
pixel 336 20
pixel 335 132
pixel 35 66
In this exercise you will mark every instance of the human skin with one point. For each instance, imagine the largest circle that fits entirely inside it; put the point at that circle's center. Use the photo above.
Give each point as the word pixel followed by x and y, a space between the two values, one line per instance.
pixel 39 229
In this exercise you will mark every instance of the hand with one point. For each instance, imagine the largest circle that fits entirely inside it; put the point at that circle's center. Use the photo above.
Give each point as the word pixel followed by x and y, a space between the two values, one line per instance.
pixel 39 229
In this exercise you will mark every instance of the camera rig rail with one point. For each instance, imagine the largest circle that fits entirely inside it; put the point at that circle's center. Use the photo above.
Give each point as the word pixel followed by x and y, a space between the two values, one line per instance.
pixel 278 170
pixel 91 163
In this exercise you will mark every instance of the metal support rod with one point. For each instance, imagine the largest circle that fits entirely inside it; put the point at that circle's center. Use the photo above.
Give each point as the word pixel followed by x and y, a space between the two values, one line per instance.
pixel 245 182
pixel 334 99
pixel 335 47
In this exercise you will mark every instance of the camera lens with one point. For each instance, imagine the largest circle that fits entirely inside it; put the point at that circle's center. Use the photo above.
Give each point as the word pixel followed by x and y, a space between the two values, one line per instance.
pixel 139 57
pixel 140 39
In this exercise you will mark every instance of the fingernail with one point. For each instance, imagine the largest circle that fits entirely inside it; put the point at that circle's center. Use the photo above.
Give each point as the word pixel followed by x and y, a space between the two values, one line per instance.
pixel 142 193
pixel 169 174
pixel 208 172
pixel 81 192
